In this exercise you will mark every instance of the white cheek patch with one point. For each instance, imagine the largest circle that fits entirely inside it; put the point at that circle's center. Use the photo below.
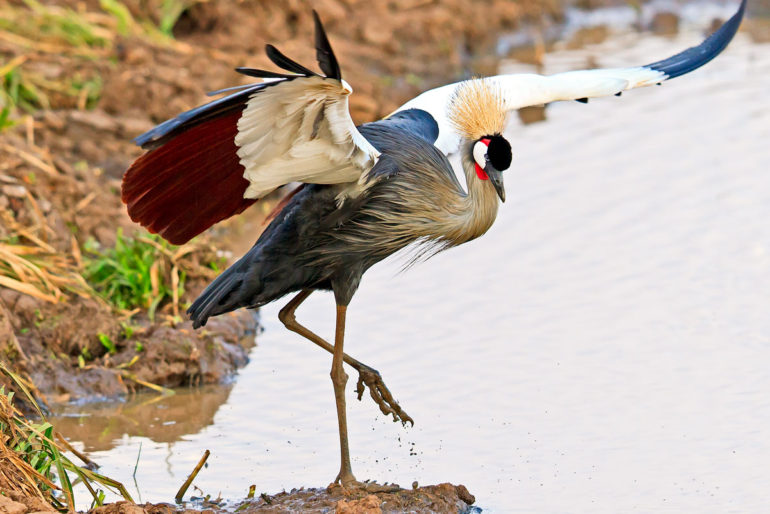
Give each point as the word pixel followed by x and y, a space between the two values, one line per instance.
pixel 480 154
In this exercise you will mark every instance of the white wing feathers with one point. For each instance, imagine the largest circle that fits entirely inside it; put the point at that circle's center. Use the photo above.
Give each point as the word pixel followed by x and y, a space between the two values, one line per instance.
pixel 525 90
pixel 300 130
pixel 522 90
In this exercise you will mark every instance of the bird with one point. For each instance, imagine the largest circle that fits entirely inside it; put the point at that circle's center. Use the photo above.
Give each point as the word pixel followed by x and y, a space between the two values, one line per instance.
pixel 365 192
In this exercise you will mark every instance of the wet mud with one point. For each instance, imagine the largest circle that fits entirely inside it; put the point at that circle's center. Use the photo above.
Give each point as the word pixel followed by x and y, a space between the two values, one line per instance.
pixel 428 499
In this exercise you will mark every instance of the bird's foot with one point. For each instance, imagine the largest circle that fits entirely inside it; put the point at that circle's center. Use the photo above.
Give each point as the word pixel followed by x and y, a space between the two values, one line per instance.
pixel 369 486
pixel 371 378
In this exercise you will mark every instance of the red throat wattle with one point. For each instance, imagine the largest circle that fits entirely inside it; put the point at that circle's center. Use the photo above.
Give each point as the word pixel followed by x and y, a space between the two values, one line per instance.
pixel 479 170
pixel 481 173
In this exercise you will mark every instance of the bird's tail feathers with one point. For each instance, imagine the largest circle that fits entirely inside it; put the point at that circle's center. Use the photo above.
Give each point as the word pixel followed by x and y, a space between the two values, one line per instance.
pixel 224 294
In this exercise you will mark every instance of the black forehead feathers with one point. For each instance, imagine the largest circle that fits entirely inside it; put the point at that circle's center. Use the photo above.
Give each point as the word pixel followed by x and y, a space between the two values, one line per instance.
pixel 499 152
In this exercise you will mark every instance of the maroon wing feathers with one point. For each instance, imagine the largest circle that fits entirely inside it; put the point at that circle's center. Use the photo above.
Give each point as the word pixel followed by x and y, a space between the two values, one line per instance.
pixel 191 182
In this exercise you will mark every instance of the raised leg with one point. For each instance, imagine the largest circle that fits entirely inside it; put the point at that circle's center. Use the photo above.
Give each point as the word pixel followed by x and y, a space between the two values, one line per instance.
pixel 367 376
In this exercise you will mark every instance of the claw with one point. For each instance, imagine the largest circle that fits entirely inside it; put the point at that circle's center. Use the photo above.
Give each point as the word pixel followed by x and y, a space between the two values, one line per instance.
pixel 381 395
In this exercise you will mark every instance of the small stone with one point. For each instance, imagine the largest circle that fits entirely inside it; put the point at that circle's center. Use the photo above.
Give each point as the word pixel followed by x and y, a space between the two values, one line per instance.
pixel 15 191
pixel 96 119
pixel 415 485
pixel 45 205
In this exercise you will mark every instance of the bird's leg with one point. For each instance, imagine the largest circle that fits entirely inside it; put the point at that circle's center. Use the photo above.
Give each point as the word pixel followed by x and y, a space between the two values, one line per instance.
pixel 367 376
pixel 339 379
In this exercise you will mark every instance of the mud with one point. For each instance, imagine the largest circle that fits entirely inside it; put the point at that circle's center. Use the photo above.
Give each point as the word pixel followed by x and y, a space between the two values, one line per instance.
pixel 14 503
pixel 428 499
pixel 52 336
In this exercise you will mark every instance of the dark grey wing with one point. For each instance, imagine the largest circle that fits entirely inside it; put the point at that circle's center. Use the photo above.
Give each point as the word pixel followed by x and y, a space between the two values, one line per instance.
pixel 415 122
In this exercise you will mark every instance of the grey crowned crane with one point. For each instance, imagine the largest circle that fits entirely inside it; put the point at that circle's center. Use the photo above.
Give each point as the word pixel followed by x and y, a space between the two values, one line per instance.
pixel 365 192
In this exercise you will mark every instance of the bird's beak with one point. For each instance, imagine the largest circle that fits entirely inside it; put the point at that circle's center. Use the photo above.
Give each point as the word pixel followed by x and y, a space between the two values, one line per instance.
pixel 496 177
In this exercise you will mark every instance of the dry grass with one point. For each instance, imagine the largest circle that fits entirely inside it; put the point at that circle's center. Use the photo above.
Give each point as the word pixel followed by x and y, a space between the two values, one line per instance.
pixel 39 271
pixel 42 32
pixel 33 462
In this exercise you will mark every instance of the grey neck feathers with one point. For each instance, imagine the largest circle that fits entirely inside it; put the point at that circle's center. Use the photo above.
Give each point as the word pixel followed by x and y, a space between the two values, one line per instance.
pixel 478 208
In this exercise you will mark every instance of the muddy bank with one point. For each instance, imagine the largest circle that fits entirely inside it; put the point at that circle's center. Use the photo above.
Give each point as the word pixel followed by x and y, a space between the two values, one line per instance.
pixel 442 498
pixel 50 338
pixel 433 498
pixel 56 332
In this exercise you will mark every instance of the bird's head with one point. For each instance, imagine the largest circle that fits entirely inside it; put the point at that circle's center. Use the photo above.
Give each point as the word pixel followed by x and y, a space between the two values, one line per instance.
pixel 477 110
pixel 491 156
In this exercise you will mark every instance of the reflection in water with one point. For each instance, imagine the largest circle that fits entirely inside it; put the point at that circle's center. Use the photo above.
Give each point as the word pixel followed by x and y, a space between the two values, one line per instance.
pixel 603 348
pixel 162 419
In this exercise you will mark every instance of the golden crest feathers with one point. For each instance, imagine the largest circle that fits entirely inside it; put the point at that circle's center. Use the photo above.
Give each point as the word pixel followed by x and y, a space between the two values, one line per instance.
pixel 477 109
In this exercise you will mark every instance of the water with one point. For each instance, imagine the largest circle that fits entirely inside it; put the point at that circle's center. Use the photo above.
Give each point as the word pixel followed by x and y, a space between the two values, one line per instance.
pixel 603 348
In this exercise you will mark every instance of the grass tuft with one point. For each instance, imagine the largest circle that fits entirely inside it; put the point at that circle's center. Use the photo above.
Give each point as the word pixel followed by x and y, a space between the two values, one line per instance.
pixel 33 463
pixel 145 271
pixel 17 92
pixel 136 272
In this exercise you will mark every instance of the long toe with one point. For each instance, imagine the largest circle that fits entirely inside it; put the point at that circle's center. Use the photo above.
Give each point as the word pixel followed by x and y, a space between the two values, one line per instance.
pixel 348 481
pixel 370 378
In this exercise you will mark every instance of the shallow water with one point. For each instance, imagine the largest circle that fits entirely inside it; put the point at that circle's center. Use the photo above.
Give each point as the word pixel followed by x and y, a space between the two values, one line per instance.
pixel 604 348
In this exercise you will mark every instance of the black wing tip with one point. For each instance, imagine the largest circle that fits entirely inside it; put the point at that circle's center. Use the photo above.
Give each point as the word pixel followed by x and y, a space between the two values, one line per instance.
pixel 144 140
pixel 695 57
pixel 286 63
pixel 326 60
pixel 262 74
pixel 324 53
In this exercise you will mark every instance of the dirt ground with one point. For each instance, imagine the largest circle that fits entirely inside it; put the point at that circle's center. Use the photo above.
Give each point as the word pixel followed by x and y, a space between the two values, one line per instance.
pixel 428 499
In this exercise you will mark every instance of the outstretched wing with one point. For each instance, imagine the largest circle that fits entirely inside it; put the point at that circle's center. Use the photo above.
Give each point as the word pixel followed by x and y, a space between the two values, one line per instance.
pixel 522 90
pixel 301 131
pixel 216 160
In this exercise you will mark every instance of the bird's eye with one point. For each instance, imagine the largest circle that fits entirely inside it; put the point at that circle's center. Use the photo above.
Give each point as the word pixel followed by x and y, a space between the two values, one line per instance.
pixel 480 154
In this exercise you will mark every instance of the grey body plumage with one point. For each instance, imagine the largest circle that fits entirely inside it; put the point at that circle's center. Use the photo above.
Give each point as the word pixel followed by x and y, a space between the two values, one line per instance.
pixel 317 243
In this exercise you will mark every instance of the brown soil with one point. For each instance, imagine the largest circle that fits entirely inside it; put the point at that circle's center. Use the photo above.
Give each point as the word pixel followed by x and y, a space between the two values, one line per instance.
pixel 170 355
pixel 427 499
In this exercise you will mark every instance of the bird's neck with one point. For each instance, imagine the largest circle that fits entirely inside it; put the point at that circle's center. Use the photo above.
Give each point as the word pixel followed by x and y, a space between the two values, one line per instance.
pixel 479 208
